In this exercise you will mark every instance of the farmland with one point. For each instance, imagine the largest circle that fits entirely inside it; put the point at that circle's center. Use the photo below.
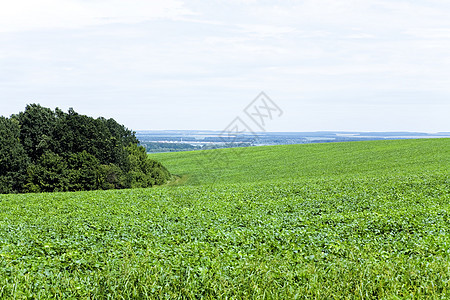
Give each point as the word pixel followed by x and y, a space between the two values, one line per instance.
pixel 342 220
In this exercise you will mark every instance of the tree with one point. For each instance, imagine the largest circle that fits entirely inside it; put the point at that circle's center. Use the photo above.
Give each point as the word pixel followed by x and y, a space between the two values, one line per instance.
pixel 83 171
pixel 36 129
pixel 44 151
pixel 48 174
pixel 13 158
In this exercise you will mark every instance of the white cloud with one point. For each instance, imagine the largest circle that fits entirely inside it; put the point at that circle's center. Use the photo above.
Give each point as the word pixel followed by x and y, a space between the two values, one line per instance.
pixel 429 33
pixel 393 54
pixel 266 31
pixel 21 15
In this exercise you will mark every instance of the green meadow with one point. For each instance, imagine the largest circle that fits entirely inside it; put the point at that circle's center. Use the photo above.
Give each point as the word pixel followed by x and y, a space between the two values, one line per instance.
pixel 357 220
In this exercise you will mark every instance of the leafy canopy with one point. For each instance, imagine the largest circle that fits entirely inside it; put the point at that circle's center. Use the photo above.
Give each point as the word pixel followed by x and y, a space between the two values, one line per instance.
pixel 45 151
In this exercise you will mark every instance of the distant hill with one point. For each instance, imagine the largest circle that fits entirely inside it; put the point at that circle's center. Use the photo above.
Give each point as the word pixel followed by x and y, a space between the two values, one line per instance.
pixel 293 162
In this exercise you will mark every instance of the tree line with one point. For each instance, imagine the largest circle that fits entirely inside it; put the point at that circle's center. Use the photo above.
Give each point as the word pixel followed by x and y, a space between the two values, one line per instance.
pixel 45 150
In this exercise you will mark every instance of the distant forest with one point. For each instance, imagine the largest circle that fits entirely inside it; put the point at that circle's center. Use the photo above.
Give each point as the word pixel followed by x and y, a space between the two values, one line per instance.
pixel 157 147
pixel 44 150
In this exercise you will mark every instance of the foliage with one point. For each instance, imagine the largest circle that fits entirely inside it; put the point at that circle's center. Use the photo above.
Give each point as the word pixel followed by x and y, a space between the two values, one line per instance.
pixel 47 151
pixel 365 220
pixel 144 171
pixel 37 124
pixel 48 174
pixel 13 159
pixel 83 171
pixel 111 177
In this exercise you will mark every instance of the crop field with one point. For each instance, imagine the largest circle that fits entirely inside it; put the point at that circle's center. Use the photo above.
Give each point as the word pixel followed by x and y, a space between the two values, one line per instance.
pixel 360 220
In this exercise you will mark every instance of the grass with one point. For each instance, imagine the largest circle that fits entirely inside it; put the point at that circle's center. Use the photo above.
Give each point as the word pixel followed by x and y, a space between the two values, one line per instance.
pixel 365 220
pixel 293 162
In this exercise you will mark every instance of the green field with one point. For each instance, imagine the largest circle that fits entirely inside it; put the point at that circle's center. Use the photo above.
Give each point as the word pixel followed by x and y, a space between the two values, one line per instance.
pixel 343 220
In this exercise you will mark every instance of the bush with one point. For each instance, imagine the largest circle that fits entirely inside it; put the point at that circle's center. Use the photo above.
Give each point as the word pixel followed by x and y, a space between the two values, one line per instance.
pixel 110 177
pixel 144 172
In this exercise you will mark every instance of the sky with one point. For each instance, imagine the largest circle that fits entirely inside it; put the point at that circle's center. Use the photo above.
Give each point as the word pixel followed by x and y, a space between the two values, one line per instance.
pixel 338 65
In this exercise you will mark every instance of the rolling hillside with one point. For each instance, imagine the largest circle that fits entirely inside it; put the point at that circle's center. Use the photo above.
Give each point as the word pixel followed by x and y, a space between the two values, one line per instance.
pixel 294 162
pixel 364 220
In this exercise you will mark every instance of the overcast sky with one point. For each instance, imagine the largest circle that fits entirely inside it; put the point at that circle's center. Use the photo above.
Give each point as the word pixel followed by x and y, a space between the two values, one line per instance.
pixel 373 65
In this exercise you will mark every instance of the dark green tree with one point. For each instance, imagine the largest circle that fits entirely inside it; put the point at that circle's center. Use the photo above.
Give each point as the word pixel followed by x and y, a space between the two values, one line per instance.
pixel 36 129
pixel 48 174
pixel 83 171
pixel 13 158
pixel 45 151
